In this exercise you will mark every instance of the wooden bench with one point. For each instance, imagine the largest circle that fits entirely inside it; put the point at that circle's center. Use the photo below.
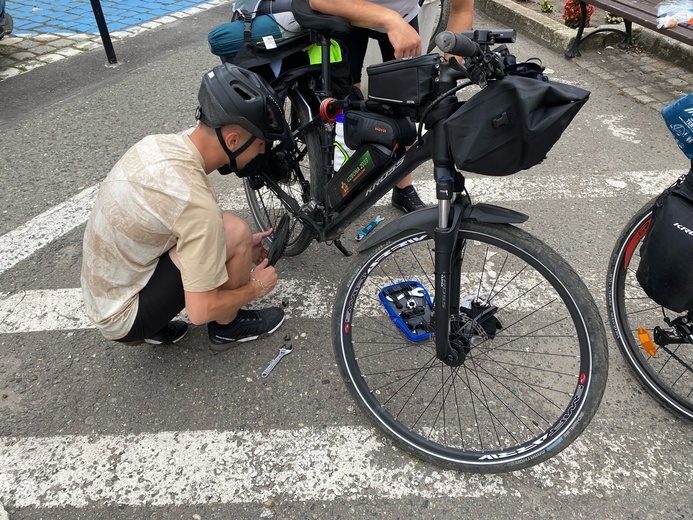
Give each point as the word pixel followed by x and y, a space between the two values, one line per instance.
pixel 640 12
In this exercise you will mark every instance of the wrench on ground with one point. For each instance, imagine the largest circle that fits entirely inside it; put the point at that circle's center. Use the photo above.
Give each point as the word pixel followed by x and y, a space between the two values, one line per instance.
pixel 285 350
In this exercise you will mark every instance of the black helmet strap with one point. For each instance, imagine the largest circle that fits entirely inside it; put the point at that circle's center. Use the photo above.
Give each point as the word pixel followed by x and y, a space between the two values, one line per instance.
pixel 232 167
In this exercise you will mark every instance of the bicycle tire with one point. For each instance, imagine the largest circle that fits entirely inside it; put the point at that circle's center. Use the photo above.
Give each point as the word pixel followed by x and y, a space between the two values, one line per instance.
pixel 265 206
pixel 520 397
pixel 663 375
pixel 441 22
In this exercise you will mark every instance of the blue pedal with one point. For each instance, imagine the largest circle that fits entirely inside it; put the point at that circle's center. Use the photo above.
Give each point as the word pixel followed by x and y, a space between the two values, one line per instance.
pixel 410 308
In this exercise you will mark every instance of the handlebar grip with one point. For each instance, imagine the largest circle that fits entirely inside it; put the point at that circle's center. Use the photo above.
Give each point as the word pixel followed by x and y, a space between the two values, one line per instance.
pixel 457 44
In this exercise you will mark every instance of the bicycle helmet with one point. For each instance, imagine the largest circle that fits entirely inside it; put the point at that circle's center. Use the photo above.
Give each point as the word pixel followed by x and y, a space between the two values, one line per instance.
pixel 232 95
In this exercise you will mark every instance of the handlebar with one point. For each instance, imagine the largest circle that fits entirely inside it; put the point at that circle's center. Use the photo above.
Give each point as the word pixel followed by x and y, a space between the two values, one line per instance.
pixel 470 43
pixel 457 44
pixel 481 62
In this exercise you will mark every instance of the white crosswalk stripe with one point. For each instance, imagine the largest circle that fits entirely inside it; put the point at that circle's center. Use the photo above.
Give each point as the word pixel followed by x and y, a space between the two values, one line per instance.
pixel 18 244
pixel 62 309
pixel 305 464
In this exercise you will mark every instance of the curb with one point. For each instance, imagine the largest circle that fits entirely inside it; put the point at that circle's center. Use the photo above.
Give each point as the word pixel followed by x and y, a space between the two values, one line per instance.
pixel 559 38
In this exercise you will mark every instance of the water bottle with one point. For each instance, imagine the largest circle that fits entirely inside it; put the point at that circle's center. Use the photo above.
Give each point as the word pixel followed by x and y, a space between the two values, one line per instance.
pixel 341 151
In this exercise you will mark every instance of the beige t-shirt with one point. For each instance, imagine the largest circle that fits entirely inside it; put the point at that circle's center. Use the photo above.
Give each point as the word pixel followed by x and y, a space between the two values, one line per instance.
pixel 156 196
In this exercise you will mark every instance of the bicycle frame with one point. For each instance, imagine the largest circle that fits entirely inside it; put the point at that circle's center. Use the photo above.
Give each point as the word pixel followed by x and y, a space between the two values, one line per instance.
pixel 442 222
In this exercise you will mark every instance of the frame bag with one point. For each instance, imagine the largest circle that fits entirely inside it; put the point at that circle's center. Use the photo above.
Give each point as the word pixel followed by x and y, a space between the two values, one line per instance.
pixel 665 272
pixel 511 124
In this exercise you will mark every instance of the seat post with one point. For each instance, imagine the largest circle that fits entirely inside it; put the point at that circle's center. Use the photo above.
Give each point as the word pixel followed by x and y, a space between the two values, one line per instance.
pixel 324 43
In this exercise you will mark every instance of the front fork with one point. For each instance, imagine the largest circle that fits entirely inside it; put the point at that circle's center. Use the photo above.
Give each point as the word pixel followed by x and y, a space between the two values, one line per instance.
pixel 448 265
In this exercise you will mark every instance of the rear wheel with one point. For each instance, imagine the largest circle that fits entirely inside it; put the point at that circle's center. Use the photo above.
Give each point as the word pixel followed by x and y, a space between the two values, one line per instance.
pixel 265 205
pixel 667 372
pixel 441 13
pixel 535 354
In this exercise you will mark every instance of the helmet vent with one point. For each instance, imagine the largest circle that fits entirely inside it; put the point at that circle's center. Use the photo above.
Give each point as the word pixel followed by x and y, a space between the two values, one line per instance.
pixel 243 93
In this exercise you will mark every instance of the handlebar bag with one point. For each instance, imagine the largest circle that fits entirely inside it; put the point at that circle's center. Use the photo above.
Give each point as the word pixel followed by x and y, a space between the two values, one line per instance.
pixel 664 272
pixel 511 124
pixel 406 81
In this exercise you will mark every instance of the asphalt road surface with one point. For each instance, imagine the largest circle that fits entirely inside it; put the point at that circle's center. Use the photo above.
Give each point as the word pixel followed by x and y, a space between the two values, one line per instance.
pixel 94 429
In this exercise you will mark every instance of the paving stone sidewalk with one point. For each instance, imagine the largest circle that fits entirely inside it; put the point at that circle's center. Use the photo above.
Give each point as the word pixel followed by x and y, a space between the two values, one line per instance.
pixel 654 78
pixel 48 32
pixel 646 78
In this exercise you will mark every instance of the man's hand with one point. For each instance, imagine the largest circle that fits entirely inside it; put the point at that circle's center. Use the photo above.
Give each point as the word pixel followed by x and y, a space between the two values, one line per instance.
pixel 404 39
pixel 266 278
pixel 259 251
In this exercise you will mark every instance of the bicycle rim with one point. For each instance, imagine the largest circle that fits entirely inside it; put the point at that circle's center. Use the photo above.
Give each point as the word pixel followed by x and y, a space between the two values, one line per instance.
pixel 520 396
pixel 668 375
pixel 441 22
pixel 266 207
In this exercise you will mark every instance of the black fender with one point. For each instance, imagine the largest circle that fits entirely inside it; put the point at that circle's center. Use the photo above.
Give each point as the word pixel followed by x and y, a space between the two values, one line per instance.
pixel 426 220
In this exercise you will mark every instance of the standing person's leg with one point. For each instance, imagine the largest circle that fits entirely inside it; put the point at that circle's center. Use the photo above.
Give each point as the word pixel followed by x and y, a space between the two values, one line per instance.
pixel 356 42
pixel 404 196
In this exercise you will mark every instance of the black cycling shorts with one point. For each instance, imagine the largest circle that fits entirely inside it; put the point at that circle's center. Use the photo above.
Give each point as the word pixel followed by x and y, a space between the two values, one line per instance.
pixel 356 42
pixel 159 302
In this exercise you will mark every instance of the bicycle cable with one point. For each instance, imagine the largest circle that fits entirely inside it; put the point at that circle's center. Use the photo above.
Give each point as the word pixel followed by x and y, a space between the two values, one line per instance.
pixel 436 102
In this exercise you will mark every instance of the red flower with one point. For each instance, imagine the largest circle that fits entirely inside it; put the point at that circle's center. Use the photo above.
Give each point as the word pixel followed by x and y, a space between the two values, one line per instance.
pixel 572 13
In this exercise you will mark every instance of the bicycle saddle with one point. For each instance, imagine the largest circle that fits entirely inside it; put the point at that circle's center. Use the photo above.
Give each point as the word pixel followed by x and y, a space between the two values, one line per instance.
pixel 322 23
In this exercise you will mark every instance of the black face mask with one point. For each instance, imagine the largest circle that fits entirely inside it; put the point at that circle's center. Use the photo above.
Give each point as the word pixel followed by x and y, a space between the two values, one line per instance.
pixel 231 167
pixel 254 167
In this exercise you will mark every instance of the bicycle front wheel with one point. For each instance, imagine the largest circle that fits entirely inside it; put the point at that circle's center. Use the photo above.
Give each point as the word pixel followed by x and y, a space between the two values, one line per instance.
pixel 535 366
pixel 265 205
pixel 668 374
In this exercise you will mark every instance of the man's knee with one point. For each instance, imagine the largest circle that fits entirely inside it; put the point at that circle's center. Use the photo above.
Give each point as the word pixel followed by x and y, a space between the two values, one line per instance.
pixel 239 237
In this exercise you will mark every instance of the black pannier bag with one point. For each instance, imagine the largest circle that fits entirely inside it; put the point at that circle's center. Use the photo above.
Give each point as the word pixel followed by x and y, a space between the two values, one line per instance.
pixel 407 81
pixel 259 29
pixel 511 124
pixel 291 55
pixel 666 256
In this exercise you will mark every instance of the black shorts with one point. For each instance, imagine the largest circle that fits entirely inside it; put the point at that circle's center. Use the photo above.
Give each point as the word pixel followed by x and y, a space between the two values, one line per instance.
pixel 159 302
pixel 356 42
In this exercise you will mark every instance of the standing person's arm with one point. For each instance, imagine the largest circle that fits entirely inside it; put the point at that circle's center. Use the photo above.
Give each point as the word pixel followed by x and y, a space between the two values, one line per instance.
pixel 360 13
pixel 461 17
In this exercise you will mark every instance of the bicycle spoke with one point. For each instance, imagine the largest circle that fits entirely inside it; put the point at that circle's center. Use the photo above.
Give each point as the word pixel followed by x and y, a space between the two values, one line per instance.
pixel 668 375
pixel 516 378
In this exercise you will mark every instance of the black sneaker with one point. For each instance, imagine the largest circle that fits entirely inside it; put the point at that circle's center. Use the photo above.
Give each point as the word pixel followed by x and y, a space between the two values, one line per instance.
pixel 170 334
pixel 406 199
pixel 247 326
